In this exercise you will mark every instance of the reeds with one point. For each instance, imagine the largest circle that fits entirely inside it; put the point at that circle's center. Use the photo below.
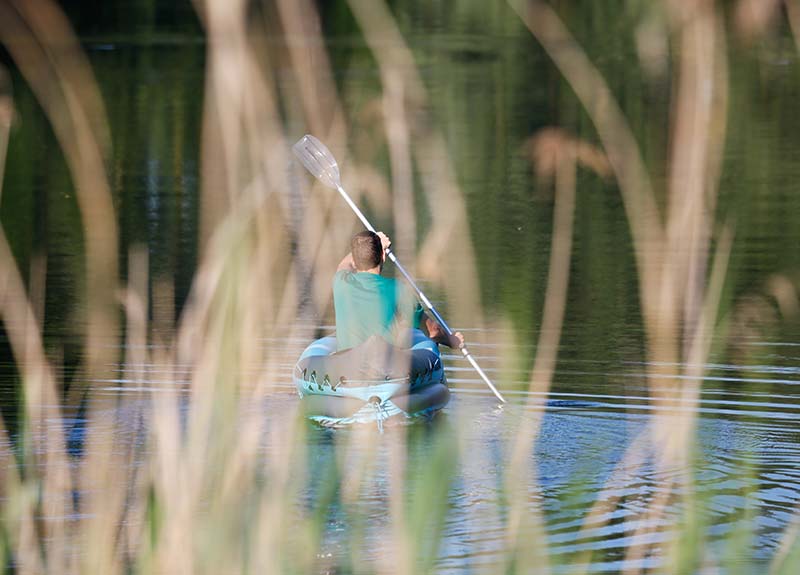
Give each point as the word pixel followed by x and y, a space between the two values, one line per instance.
pixel 190 476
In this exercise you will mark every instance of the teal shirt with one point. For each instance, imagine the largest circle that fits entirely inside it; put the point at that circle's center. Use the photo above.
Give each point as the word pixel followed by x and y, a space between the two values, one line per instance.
pixel 369 304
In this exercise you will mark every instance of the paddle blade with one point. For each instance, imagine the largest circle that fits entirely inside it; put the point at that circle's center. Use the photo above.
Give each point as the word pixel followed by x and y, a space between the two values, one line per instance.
pixel 318 160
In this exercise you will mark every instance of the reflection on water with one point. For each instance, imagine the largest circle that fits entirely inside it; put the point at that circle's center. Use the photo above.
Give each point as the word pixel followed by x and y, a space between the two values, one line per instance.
pixel 746 453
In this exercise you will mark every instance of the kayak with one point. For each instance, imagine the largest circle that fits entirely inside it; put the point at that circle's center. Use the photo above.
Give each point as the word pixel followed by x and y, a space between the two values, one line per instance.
pixel 371 383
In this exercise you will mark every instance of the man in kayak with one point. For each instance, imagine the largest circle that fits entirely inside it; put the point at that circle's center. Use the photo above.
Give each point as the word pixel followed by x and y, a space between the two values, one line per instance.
pixel 367 303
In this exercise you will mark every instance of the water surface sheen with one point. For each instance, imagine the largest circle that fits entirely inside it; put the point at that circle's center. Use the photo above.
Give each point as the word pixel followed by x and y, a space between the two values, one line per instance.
pixel 746 450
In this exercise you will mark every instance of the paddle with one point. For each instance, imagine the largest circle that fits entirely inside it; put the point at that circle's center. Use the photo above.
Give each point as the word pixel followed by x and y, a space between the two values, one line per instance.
pixel 320 162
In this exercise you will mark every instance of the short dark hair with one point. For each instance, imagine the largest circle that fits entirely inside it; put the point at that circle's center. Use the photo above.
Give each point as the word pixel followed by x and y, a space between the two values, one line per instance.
pixel 367 250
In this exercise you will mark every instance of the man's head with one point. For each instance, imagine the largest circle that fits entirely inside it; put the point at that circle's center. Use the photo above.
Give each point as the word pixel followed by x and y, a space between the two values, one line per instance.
pixel 367 251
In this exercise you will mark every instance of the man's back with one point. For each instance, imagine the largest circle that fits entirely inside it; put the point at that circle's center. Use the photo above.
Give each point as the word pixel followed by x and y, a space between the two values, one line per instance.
pixel 368 304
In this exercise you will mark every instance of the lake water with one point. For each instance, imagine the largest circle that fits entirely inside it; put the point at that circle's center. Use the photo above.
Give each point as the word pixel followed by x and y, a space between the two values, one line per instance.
pixel 746 446
pixel 491 87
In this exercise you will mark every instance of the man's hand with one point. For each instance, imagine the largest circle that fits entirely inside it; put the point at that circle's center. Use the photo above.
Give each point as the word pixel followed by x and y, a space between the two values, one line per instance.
pixel 439 335
pixel 385 241
pixel 456 340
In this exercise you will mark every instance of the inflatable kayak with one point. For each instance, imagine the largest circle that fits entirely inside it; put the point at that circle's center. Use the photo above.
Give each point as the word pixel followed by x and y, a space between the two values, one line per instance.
pixel 372 382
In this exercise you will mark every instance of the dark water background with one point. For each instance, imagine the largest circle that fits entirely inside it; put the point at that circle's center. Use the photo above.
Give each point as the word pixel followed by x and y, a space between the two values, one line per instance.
pixel 491 88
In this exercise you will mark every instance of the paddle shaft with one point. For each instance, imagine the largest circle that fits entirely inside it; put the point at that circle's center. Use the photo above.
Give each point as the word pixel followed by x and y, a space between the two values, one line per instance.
pixel 425 301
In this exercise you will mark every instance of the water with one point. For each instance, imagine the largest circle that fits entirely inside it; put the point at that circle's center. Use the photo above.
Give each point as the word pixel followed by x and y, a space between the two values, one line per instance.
pixel 491 87
pixel 746 452
pixel 746 448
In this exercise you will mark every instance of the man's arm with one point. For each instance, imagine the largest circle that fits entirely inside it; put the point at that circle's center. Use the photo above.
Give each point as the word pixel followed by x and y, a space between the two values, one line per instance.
pixel 347 263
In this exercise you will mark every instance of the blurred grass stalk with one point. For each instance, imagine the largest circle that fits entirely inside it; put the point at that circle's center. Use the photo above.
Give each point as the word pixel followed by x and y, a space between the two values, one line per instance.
pixel 195 492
